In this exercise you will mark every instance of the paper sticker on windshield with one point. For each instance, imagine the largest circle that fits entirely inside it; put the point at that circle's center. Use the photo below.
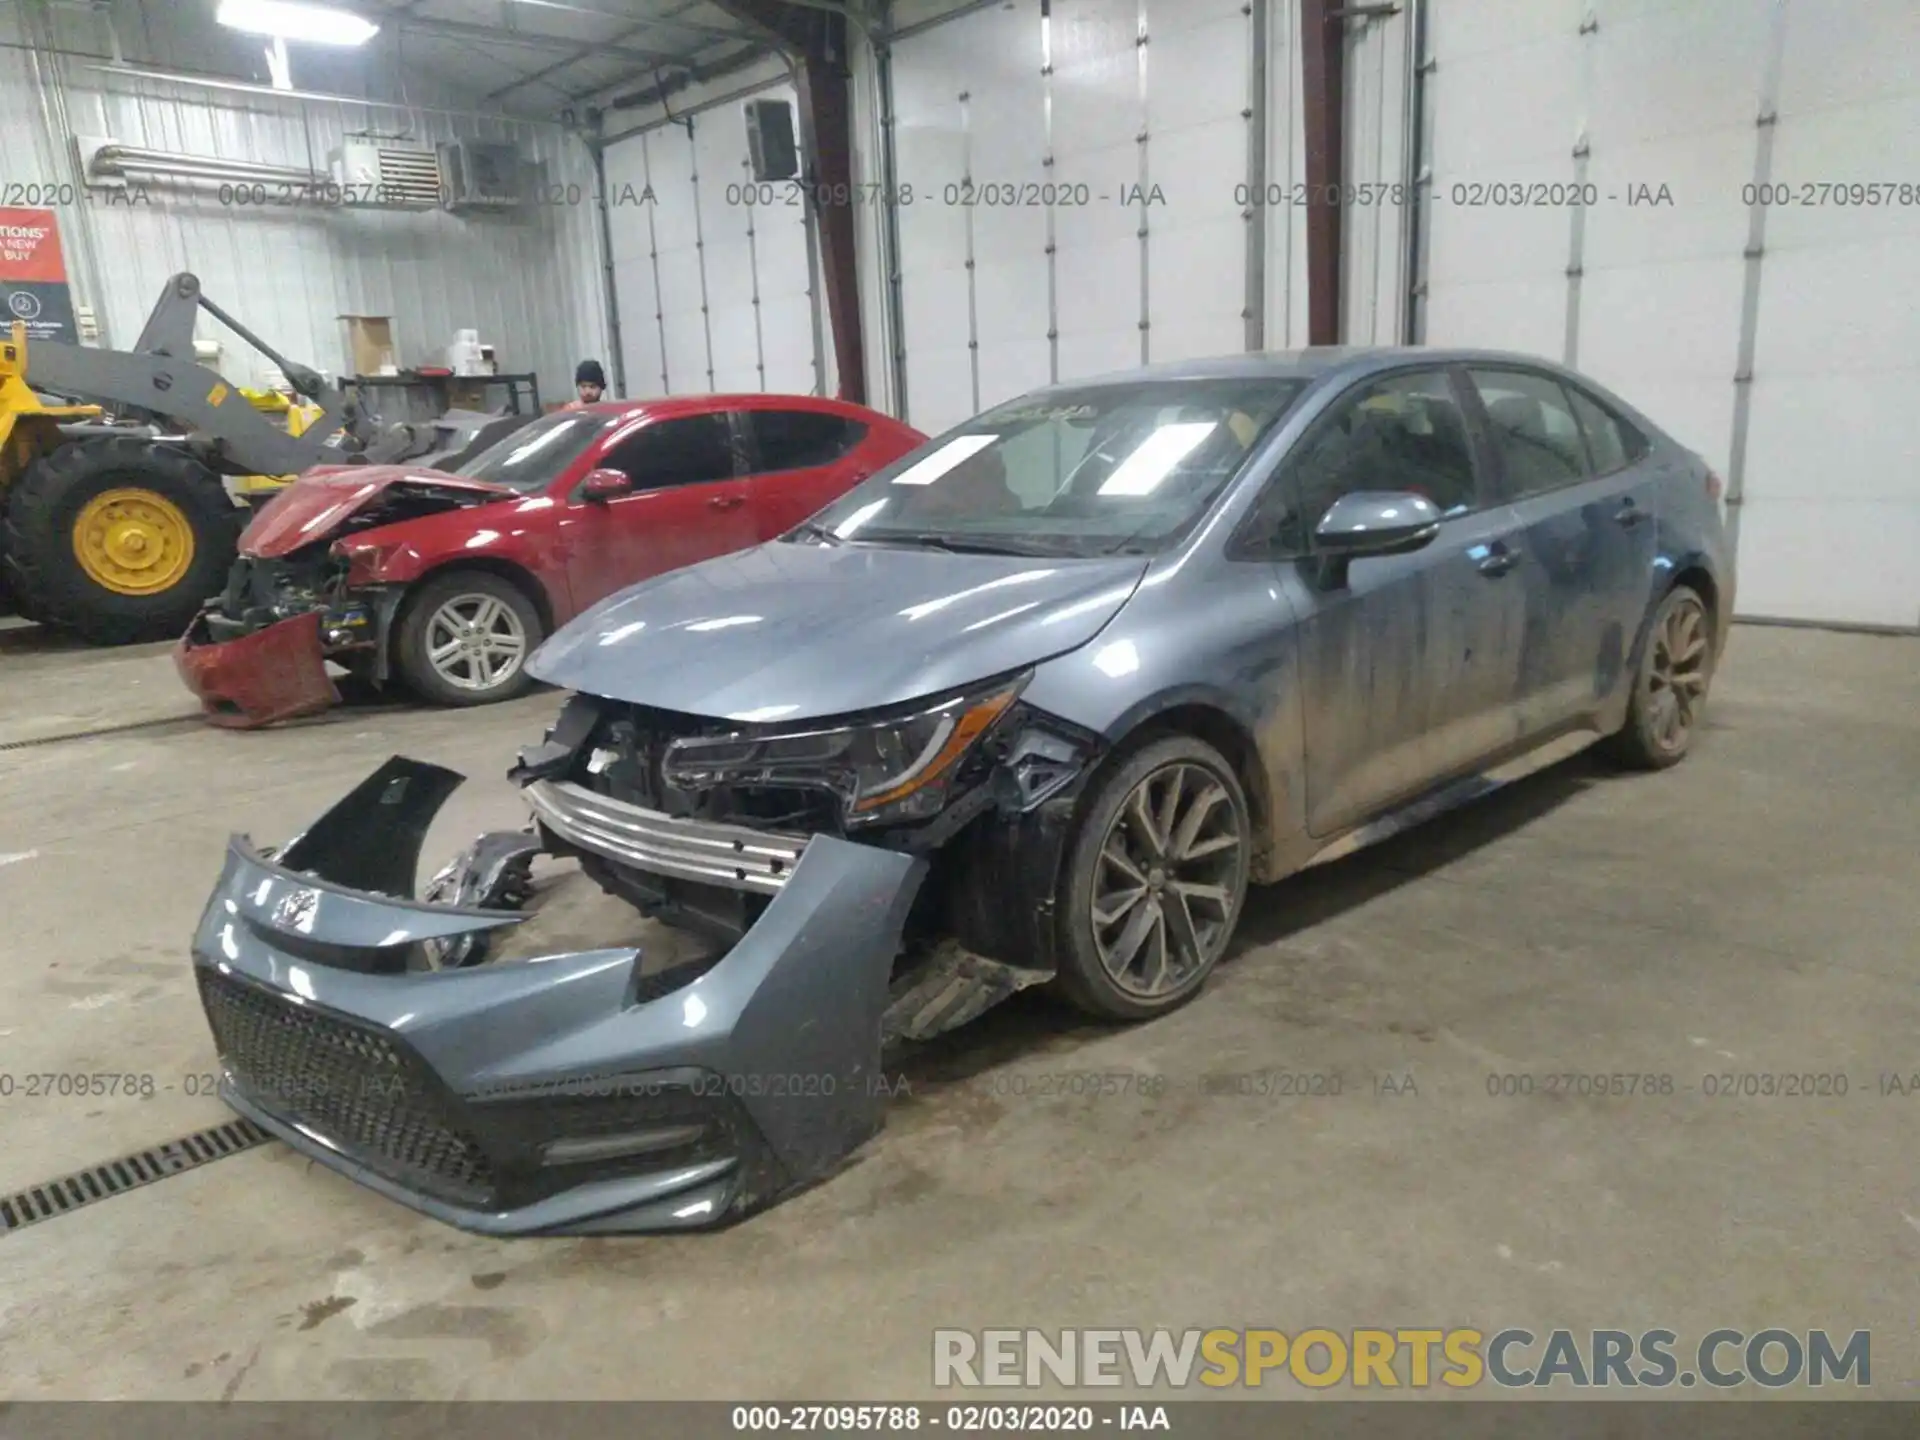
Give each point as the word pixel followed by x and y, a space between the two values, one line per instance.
pixel 1065 414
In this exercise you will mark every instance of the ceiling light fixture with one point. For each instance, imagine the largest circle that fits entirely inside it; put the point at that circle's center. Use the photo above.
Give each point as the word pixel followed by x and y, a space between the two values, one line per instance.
pixel 288 20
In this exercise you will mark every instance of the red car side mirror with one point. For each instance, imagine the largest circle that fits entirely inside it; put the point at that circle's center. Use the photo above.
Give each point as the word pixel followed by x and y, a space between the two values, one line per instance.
pixel 601 486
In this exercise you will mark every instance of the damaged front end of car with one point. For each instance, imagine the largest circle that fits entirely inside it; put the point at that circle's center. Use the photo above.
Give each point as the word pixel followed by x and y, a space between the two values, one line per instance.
pixel 258 652
pixel 711 1038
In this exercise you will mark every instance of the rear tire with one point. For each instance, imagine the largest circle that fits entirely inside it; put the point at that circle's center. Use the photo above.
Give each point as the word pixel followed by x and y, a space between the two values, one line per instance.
pixel 165 548
pixel 1155 878
pixel 463 638
pixel 1670 685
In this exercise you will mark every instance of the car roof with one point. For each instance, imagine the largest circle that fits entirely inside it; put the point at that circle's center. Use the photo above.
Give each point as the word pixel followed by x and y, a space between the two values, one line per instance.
pixel 1311 363
pixel 665 405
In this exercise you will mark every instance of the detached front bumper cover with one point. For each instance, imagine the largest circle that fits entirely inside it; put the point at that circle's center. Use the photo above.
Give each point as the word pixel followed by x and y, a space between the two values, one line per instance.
pixel 571 1094
pixel 276 673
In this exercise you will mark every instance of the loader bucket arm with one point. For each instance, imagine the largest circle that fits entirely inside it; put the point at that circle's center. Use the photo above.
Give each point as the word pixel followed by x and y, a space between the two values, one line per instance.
pixel 161 377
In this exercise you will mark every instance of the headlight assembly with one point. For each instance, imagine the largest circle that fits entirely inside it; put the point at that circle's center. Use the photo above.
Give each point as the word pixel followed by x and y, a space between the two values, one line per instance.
pixel 895 767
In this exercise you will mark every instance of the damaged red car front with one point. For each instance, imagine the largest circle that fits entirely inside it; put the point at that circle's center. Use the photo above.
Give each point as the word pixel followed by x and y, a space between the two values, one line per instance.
pixel 308 589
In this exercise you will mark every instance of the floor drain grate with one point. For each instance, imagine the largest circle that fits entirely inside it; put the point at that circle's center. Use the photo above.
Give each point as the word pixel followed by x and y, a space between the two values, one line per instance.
pixel 54 1198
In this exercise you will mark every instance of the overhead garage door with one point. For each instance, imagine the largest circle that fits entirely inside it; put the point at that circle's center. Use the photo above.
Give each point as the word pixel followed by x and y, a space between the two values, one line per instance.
pixel 711 271
pixel 1593 199
pixel 1830 519
pixel 1073 171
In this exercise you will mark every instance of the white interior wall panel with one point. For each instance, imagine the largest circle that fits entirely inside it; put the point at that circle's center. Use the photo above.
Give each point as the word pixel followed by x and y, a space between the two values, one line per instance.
pixel 687 352
pixel 1099 113
pixel 1673 93
pixel 711 275
pixel 934 158
pixel 1283 221
pixel 1144 111
pixel 1373 241
pixel 529 281
pixel 728 201
pixel 1198 117
pixel 631 242
pixel 1503 112
pixel 1664 95
pixel 1830 514
pixel 1006 155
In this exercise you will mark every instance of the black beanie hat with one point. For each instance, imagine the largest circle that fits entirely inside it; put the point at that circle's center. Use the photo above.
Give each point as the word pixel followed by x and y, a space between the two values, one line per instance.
pixel 590 373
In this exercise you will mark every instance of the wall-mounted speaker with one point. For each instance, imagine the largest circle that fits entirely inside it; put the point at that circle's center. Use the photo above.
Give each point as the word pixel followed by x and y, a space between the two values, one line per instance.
pixel 771 148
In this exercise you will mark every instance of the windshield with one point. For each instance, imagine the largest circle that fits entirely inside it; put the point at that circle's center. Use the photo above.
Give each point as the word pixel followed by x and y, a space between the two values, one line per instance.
pixel 531 457
pixel 1095 470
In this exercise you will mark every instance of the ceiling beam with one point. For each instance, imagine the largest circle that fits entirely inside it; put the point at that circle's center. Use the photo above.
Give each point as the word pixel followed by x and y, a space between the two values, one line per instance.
pixel 485 35
pixel 579 53
pixel 668 85
pixel 606 9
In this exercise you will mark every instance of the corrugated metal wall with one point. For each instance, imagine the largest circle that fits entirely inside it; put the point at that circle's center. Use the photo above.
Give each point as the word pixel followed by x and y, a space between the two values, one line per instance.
pixel 530 282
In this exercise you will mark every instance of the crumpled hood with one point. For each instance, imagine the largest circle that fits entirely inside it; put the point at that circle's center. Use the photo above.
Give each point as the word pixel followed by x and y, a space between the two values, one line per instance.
pixel 317 504
pixel 791 631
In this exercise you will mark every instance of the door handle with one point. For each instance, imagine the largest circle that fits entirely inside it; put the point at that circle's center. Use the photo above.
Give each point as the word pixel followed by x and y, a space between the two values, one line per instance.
pixel 1628 515
pixel 727 502
pixel 1498 560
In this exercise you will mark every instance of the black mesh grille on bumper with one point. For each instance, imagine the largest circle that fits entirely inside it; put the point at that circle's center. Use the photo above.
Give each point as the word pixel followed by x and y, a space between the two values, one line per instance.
pixel 351 1084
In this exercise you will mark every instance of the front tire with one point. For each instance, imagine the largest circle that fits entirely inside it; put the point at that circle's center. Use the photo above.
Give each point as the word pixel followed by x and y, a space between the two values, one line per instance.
pixel 464 639
pixel 1155 879
pixel 118 539
pixel 1670 687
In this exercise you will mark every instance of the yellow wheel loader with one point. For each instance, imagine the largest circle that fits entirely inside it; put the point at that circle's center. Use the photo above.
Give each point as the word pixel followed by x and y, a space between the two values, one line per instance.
pixel 117 529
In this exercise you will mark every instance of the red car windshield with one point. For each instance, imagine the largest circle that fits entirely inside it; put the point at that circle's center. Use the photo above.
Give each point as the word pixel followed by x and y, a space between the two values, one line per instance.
pixel 529 459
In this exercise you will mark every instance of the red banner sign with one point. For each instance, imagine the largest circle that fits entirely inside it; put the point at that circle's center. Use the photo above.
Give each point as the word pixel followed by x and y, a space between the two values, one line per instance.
pixel 33 275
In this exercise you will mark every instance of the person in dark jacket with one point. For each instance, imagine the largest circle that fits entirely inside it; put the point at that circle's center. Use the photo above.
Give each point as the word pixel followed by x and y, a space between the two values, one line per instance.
pixel 589 385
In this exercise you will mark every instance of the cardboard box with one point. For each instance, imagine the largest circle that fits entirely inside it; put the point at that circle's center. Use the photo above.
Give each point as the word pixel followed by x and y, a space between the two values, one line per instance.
pixel 370 344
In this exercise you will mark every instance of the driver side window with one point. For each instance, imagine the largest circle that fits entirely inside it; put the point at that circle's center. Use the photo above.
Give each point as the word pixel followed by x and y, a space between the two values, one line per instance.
pixel 1404 432
pixel 691 450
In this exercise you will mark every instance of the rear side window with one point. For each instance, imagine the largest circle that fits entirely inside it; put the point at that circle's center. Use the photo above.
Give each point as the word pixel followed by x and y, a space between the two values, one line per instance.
pixel 1534 431
pixel 1613 443
pixel 799 439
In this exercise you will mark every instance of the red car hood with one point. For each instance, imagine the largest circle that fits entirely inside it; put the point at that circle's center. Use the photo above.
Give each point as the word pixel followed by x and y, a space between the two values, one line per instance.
pixel 315 506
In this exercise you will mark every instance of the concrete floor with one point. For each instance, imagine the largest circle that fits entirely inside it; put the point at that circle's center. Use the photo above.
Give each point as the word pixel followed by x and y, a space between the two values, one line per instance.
pixel 1754 910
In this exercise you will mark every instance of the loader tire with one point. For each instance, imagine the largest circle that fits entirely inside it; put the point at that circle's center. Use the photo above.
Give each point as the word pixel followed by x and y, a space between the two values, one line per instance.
pixel 118 540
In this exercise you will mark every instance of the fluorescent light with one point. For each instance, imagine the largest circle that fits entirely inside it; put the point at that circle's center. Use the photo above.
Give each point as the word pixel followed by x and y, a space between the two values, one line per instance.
pixel 1146 467
pixel 288 20
pixel 948 456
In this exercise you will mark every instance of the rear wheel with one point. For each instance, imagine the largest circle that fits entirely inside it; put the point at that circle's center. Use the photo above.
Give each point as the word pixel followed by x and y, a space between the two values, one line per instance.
pixel 1156 875
pixel 118 540
pixel 1670 688
pixel 464 639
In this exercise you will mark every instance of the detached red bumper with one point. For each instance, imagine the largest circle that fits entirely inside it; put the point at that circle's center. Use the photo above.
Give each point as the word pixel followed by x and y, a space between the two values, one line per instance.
pixel 279 673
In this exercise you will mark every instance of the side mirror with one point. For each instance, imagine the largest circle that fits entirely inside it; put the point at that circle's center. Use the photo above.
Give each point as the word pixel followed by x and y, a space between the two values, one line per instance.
pixel 601 486
pixel 1369 523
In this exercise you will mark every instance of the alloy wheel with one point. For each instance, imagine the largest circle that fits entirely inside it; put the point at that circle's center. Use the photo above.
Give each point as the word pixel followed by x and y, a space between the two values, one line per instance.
pixel 475 642
pixel 1168 880
pixel 1677 675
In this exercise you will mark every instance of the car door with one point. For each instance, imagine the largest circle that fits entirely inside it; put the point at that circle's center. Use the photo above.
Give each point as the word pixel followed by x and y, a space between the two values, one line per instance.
pixel 1574 473
pixel 688 503
pixel 1408 663
pixel 800 461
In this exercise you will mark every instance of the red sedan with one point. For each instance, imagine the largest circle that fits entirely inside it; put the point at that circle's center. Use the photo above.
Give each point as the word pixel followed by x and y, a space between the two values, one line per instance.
pixel 448 581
